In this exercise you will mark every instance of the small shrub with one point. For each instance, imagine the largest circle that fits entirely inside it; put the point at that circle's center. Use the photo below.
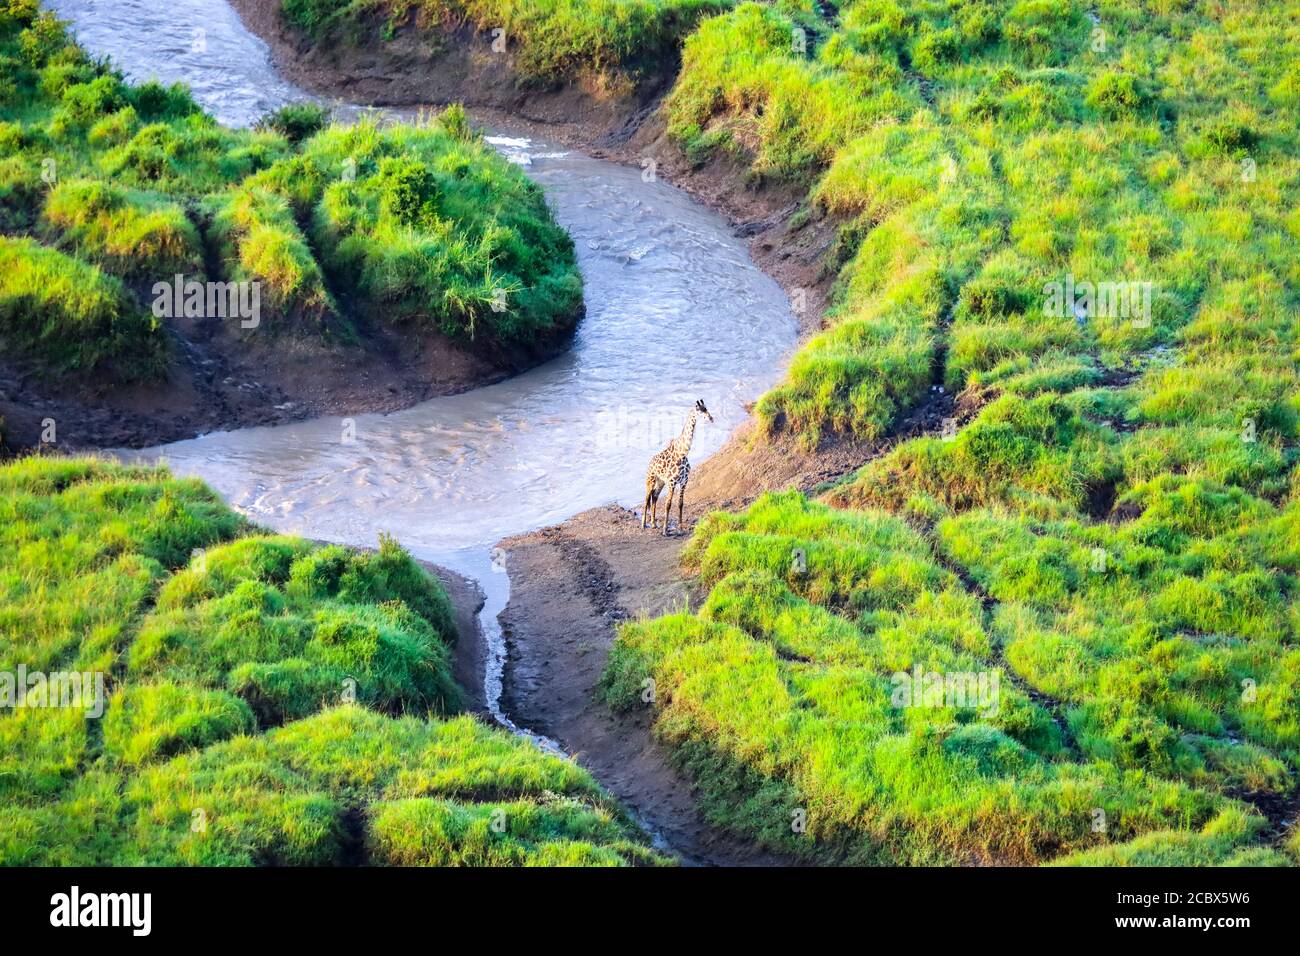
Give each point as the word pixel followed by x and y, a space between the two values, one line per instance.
pixel 297 121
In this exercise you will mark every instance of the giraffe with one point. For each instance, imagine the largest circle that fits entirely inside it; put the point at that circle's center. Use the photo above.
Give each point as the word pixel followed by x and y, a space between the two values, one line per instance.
pixel 671 468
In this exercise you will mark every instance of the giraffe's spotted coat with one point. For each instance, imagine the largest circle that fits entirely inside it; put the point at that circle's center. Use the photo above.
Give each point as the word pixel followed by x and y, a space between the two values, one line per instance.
pixel 670 468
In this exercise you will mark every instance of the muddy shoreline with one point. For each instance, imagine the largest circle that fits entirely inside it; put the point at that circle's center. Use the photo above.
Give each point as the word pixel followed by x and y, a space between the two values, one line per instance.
pixel 206 388
pixel 469 656
pixel 571 585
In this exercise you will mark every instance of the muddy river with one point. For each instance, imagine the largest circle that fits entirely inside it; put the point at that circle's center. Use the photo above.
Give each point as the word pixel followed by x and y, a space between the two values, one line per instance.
pixel 676 311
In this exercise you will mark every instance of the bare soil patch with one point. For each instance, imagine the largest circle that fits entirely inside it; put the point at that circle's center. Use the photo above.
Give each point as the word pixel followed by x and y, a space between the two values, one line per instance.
pixel 217 379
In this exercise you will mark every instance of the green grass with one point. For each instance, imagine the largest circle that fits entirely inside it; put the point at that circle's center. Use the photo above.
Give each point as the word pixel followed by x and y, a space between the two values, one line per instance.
pixel 125 235
pixel 1003 147
pixel 297 121
pixel 427 225
pixel 1038 453
pixel 259 240
pixel 72 317
pixel 1110 531
pixel 790 111
pixel 269 701
pixel 610 41
pixel 422 226
pixel 779 696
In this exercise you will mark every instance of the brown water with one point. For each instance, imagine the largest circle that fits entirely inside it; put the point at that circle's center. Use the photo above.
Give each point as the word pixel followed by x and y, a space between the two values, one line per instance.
pixel 675 311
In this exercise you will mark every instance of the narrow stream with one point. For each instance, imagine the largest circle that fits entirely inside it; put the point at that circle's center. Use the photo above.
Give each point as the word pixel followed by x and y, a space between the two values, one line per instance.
pixel 675 311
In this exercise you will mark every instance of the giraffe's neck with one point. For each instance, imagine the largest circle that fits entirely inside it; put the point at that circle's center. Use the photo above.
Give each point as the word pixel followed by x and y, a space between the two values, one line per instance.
pixel 687 436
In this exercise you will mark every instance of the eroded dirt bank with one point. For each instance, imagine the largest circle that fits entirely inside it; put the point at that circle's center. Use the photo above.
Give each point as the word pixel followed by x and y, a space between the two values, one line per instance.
pixel 468 656
pixel 413 67
pixel 216 380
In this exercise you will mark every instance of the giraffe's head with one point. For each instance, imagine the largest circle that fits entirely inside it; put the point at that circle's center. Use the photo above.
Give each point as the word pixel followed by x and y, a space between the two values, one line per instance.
pixel 699 407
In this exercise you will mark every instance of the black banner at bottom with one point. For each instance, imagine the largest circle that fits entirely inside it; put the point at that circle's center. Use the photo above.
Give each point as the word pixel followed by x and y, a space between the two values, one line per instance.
pixel 335 906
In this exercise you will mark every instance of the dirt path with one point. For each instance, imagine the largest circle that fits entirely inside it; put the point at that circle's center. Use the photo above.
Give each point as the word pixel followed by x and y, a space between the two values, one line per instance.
pixel 570 586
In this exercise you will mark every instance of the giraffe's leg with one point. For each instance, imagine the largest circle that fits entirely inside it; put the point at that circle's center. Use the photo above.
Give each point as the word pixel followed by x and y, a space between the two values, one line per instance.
pixel 668 511
pixel 652 488
pixel 681 499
